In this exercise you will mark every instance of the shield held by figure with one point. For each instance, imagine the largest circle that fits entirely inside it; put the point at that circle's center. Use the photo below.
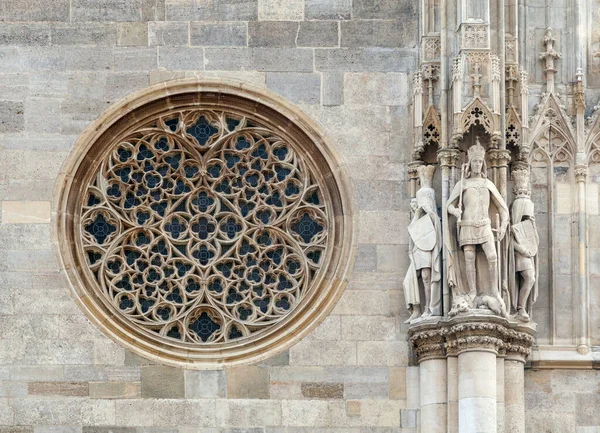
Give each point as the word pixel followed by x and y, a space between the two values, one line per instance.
pixel 422 233
pixel 525 236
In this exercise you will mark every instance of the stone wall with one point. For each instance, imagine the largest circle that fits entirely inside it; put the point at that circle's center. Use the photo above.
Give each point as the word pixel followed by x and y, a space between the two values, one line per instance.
pixel 61 64
pixel 558 401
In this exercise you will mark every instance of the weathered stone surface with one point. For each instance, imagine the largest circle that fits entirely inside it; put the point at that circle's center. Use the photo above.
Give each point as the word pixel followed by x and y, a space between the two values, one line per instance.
pixel 43 115
pixel 23 212
pixel 280 10
pixel 24 34
pixel 192 10
pixel 365 59
pixel 205 384
pixel 168 413
pixel 283 59
pixel 132 34
pixel 297 87
pixel 12 118
pixel 376 88
pixel 248 382
pixel 323 353
pixel 306 413
pixel 367 390
pixel 108 10
pixel 328 9
pixel 316 390
pixel 384 9
pixel 332 84
pixel 272 33
pixel 135 59
pixel 397 383
pixel 369 328
pixel 65 389
pixel 219 34
pixel 366 258
pixel 391 353
pixel 248 413
pixel 168 33
pixel 159 381
pixel 318 34
pixel 51 10
pixel 84 34
pixel 392 258
pixel 115 390
pixel 12 389
pixel 180 58
pixel 134 413
pixel 368 33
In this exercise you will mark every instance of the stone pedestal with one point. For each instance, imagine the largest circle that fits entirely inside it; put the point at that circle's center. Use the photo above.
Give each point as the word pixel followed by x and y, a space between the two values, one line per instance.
pixel 481 357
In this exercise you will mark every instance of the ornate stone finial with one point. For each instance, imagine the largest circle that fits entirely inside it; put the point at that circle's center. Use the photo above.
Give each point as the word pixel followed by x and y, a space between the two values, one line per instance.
pixel 579 91
pixel 426 175
pixel 524 82
pixel 549 55
pixel 521 186
pixel 418 82
pixel 457 69
pixel 495 68
pixel 477 150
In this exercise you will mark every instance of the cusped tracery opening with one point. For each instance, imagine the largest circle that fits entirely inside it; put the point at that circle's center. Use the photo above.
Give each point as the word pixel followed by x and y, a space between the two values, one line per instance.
pixel 206 228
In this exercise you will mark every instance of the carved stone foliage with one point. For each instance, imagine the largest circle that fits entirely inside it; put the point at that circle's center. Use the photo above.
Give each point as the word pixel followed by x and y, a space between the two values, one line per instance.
pixel 203 223
pixel 441 337
pixel 204 226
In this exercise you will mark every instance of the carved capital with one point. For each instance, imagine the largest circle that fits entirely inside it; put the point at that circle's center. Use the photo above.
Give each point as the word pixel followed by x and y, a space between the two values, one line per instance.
pixel 476 336
pixel 443 336
pixel 448 157
pixel 412 169
pixel 580 173
pixel 518 344
pixel 428 344
pixel 499 157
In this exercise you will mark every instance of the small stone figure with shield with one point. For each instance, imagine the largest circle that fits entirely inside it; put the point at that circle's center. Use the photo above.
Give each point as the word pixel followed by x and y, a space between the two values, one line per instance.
pixel 424 251
pixel 523 250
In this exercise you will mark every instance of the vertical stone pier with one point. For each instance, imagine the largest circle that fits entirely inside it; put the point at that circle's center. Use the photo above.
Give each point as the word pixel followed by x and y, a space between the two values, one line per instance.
pixel 479 344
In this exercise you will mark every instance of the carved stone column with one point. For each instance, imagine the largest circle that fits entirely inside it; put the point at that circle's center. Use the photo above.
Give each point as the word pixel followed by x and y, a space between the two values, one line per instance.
pixel 429 348
pixel 480 340
pixel 583 343
pixel 518 346
pixel 449 160
pixel 477 343
pixel 499 159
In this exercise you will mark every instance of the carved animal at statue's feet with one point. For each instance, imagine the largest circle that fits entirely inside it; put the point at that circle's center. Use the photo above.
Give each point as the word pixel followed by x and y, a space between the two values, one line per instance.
pixel 459 305
pixel 495 304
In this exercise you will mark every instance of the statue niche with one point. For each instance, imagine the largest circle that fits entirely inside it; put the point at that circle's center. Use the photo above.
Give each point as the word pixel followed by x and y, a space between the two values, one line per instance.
pixel 475 221
pixel 425 247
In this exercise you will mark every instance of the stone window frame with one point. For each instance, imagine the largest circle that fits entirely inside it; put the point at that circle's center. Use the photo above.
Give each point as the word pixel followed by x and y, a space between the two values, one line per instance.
pixel 276 111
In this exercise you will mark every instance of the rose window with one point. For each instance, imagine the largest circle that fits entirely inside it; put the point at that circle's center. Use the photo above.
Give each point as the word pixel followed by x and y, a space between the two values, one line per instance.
pixel 203 228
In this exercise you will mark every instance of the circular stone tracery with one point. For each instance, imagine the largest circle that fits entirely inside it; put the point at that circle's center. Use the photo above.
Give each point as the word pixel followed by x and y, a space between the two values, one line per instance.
pixel 204 225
